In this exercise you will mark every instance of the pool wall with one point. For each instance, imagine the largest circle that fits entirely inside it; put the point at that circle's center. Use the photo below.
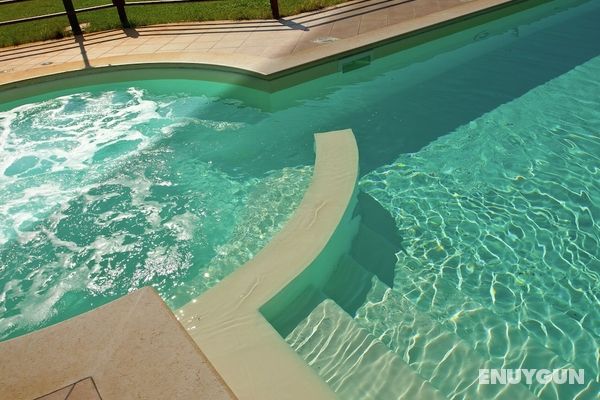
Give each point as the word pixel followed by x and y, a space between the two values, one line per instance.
pixel 268 75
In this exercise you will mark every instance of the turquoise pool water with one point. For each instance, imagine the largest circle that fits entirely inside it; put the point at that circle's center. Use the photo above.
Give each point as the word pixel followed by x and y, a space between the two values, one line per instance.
pixel 496 197
pixel 483 146
pixel 107 190
pixel 504 235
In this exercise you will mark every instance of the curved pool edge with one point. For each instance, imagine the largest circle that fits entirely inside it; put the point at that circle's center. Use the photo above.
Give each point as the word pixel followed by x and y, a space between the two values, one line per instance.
pixel 263 67
pixel 228 322
pixel 223 345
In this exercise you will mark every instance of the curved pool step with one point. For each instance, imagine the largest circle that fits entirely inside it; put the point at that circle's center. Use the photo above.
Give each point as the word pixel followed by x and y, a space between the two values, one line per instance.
pixel 231 322
pixel 355 364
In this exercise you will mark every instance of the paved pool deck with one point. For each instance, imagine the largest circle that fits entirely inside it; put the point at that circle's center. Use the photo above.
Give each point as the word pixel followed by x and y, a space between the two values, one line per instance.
pixel 264 46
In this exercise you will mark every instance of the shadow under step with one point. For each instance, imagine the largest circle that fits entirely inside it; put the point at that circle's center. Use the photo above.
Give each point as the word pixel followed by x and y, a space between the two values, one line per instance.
pixel 349 285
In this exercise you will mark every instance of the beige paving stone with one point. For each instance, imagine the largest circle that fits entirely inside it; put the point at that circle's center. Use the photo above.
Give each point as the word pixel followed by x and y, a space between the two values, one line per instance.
pixel 124 49
pixel 256 50
pixel 223 50
pixel 174 46
pixel 277 51
pixel 198 46
pixel 184 39
pixel 237 35
pixel 84 390
pixel 401 15
pixel 147 48
pixel 60 394
pixel 209 36
pixel 344 32
pixel 371 23
pixel 162 37
pixel 133 348
pixel 225 43
pixel 426 7
pixel 310 36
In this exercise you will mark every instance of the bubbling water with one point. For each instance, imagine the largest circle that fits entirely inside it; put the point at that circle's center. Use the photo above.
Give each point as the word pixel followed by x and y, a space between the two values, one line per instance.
pixel 104 192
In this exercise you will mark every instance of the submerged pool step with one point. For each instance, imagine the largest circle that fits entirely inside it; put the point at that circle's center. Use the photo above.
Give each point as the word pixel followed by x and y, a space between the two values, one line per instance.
pixel 349 285
pixel 504 343
pixel 355 364
pixel 435 353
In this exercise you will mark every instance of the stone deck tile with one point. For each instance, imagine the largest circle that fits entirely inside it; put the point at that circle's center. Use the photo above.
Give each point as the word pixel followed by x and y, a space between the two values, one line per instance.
pixel 267 38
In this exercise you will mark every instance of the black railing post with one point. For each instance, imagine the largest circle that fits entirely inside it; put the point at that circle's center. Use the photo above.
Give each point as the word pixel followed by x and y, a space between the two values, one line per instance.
pixel 120 4
pixel 275 9
pixel 72 17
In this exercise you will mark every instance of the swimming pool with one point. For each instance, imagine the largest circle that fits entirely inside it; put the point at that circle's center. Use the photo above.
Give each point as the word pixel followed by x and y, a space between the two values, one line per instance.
pixel 499 260
pixel 461 142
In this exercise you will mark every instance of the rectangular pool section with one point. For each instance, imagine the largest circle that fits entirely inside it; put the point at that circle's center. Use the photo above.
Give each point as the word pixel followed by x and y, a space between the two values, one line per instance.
pixel 499 218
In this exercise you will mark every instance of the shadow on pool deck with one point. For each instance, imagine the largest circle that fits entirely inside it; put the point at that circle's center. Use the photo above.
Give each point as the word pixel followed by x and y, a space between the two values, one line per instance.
pixel 294 34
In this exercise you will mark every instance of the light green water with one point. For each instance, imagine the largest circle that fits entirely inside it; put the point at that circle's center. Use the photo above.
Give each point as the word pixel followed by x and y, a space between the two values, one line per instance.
pixel 483 146
pixel 499 263
pixel 106 191
pixel 504 235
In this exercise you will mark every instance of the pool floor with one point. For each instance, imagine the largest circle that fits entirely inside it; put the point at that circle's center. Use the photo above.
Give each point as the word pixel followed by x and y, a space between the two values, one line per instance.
pixel 499 265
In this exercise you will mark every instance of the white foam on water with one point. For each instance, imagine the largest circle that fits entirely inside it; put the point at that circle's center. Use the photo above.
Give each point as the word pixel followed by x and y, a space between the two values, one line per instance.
pixel 183 225
pixel 109 245
pixel 70 137
pixel 161 261
pixel 6 120
pixel 218 126
pixel 66 133
pixel 38 303
pixel 56 242
pixel 74 134
pixel 28 207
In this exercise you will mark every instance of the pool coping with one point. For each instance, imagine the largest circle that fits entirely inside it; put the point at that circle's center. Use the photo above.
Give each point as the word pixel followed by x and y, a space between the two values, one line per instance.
pixel 131 348
pixel 221 343
pixel 227 321
pixel 263 67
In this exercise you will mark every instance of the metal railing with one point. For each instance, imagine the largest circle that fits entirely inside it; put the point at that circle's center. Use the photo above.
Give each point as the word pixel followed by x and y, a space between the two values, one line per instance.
pixel 120 5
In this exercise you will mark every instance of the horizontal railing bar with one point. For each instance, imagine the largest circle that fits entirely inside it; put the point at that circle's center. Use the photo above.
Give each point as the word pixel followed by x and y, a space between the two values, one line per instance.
pixel 10 1
pixel 53 15
pixel 94 8
pixel 36 18
pixel 121 9
pixel 149 2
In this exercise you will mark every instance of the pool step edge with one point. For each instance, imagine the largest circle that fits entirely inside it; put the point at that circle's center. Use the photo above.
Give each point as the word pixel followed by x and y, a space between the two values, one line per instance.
pixel 352 361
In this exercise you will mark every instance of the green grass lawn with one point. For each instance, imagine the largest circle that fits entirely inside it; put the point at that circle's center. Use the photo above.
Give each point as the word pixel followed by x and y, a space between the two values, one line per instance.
pixel 138 16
